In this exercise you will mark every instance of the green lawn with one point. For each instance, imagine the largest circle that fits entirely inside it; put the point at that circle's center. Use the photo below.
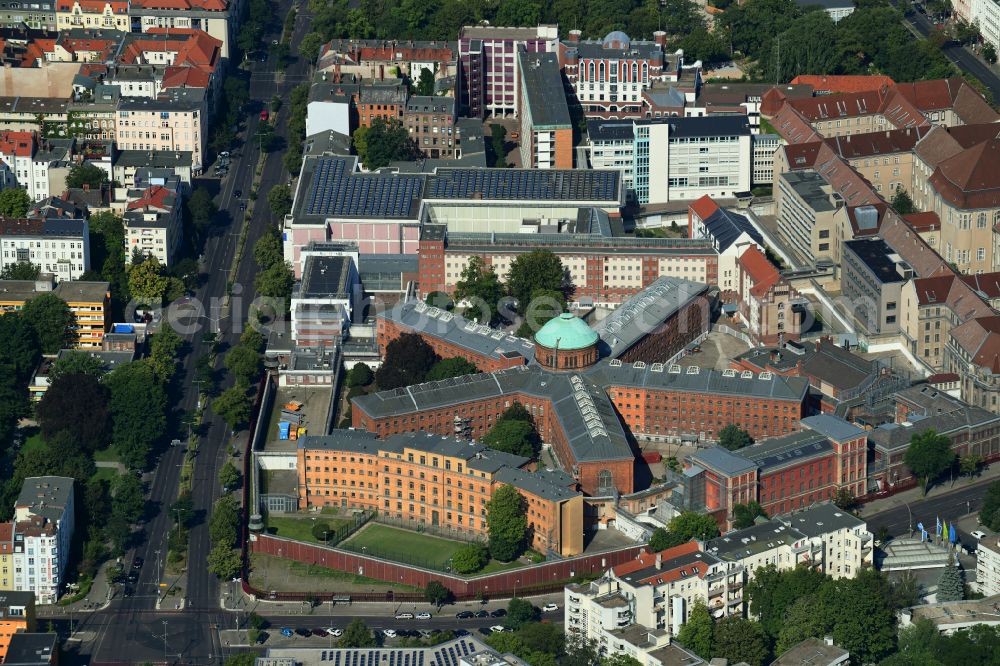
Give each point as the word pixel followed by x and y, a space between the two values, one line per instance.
pixel 33 443
pixel 494 566
pixel 299 528
pixel 105 474
pixel 105 455
pixel 403 546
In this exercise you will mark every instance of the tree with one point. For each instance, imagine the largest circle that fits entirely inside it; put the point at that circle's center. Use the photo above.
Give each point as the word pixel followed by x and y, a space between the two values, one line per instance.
pixel 233 405
pixel 989 53
pixel 969 464
pixel 520 612
pixel 164 348
pixel 86 175
pixel 662 540
pixel 182 510
pixel 620 659
pixel 858 615
pixel 229 476
pixel 244 363
pixel 928 456
pixel 480 287
pixel 267 250
pixel 745 515
pixel 138 411
pixel 691 525
pixel 20 351
pixel 14 202
pixel 498 136
pixel 224 524
pixel 516 437
pixel 437 594
pixel 425 82
pixel 76 363
pixel 989 515
pixel 276 282
pixel 383 142
pixel 357 635
pixel 738 639
pixel 201 209
pixel 470 558
pixel 76 404
pixel 771 592
pixel 310 46
pixel 224 562
pixel 279 200
pixel 901 201
pixel 52 320
pixel 950 586
pixel 22 270
pixel 450 367
pixel 519 12
pixel 128 497
pixel 360 375
pixel 407 361
pixel 801 621
pixel 146 281
pixel 507 519
pixel 538 270
pixel 245 658
pixel 734 438
pixel 845 500
pixel 697 633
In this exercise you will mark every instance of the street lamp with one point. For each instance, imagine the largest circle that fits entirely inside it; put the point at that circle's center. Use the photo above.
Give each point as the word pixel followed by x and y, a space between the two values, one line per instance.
pixel 164 640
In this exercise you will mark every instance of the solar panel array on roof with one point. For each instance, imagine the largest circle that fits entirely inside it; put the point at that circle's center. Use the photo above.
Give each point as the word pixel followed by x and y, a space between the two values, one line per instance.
pixel 524 184
pixel 335 191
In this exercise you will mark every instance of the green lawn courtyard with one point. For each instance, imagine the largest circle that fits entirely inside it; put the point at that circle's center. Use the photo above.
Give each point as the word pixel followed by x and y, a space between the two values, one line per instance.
pixel 300 527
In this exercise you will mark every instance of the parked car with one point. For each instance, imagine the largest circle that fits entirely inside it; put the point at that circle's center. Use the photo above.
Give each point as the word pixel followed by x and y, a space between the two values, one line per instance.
pixel 497 628
pixel 389 633
pixel 423 616
pixel 978 534
pixel 550 608
pixel 404 616
pixel 336 633
pixel 137 563
pixel 465 615
pixel 287 632
pixel 499 612
pixel 482 614
pixel 319 632
pixel 305 633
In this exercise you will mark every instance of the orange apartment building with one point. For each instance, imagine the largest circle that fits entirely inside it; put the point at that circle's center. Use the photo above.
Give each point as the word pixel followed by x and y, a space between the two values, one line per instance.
pixel 439 481
pixel 90 303
pixel 381 101
pixel 17 615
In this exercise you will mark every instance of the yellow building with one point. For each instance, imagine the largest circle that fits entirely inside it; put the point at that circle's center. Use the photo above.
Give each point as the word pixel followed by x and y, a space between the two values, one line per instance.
pixel 89 302
pixel 92 14
pixel 6 556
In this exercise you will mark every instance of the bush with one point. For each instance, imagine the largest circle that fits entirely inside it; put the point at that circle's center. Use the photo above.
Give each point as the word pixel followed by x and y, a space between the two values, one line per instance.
pixel 470 558
pixel 321 531
pixel 360 375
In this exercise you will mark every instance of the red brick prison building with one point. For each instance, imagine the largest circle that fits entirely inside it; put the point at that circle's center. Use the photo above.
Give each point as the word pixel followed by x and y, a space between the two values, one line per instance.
pixel 452 336
pixel 782 473
pixel 444 482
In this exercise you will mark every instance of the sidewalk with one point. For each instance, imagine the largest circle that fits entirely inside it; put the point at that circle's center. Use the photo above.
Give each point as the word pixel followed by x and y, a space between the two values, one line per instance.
pixel 944 487
pixel 97 599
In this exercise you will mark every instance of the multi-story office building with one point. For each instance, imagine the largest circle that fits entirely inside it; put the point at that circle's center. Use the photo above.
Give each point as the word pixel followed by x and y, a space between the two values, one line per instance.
pixel 677 158
pixel 488 61
pixel 808 217
pixel 872 281
pixel 988 565
pixel 441 482
pixel 546 128
pixel 57 246
pixel 322 302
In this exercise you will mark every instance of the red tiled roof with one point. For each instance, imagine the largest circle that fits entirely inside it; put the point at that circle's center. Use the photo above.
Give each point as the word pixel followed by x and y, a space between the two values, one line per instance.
pixel 704 207
pixel 854 146
pixel 802 155
pixel 152 197
pixel 667 573
pixel 986 284
pixel 923 222
pixel 95 6
pixel 970 179
pixel 20 144
pixel 954 94
pixel 980 337
pixel 185 77
pixel 933 290
pixel 943 378
pixel 842 83
pixel 192 47
pixel 760 270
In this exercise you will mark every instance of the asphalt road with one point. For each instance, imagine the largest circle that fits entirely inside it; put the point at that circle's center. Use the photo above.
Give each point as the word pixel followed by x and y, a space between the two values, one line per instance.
pixel 961 58
pixel 131 629
pixel 954 505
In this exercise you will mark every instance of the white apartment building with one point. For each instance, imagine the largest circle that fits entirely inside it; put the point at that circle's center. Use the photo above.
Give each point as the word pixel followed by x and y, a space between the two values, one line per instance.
pixel 764 148
pixel 987 14
pixel 732 234
pixel 988 565
pixel 215 17
pixel 639 606
pixel 153 221
pixel 39 168
pixel 839 542
pixel 57 246
pixel 175 121
pixel 672 159
pixel 43 531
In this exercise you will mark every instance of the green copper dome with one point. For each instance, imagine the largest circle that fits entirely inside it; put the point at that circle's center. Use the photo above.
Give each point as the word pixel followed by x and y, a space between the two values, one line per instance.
pixel 566 331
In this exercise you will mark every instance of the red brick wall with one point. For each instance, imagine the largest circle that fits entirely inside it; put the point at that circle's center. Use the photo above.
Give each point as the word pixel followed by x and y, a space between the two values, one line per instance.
pixel 494 585
pixel 564 148
pixel 799 486
pixel 622 471
pixel 389 330
pixel 672 335
pixel 430 259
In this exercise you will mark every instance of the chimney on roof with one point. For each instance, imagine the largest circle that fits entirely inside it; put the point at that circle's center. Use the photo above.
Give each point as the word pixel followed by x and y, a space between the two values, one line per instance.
pixel 574 36
pixel 659 561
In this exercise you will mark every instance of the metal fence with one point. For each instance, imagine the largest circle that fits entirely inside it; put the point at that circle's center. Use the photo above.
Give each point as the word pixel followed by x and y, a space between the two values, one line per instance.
pixel 433 530
pixel 355 523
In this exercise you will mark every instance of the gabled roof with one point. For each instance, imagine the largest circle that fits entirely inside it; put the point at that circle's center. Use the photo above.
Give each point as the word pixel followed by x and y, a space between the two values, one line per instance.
pixel 831 83
pixel 923 222
pixel 953 93
pixel 980 338
pixel 971 179
pixel 704 207
pixel 675 563
pixel 986 285
pixel 156 197
pixel 726 227
pixel 19 144
pixel 760 270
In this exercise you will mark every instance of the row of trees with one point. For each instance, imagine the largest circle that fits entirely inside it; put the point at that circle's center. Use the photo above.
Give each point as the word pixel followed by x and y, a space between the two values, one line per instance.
pixel 275 278
pixel 537 287
pixel 223 532
pixel 245 362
